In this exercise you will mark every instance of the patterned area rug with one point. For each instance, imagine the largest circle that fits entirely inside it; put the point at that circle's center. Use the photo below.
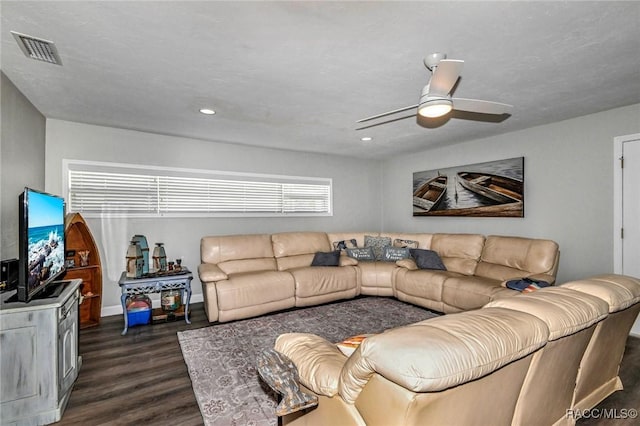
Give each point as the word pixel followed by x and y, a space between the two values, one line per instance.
pixel 221 359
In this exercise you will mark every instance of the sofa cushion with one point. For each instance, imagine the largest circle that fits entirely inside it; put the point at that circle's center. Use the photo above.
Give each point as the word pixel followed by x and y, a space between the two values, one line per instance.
pixel 331 258
pixel 296 243
pixel 422 283
pixel 254 288
pixel 361 253
pixel 393 254
pixel 513 257
pixel 216 249
pixel 238 253
pixel 296 249
pixel 467 293
pixel 427 259
pixel 314 281
pixel 248 265
pixel 565 311
pixel 618 291
pixel 376 274
pixel 377 244
pixel 460 348
pixel 459 252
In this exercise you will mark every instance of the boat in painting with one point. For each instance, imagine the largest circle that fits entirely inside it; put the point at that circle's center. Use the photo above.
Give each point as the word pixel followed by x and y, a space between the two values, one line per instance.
pixel 501 189
pixel 430 194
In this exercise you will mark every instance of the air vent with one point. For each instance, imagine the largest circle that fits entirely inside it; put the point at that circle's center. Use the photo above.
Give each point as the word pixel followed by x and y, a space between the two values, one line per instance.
pixel 38 49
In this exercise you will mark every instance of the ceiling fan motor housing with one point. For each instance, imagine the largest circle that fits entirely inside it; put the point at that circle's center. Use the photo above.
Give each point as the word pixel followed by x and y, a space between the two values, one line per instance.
pixel 433 106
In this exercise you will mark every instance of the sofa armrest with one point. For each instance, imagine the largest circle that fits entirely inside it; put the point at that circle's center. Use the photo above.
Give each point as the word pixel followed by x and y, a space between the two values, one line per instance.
pixel 348 261
pixel 210 272
pixel 318 361
pixel 409 264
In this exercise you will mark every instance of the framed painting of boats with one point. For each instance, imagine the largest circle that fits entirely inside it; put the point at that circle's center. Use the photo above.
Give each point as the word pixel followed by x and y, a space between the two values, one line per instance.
pixel 491 189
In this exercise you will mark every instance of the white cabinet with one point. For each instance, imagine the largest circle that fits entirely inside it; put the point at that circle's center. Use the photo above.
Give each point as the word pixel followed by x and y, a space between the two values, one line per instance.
pixel 39 359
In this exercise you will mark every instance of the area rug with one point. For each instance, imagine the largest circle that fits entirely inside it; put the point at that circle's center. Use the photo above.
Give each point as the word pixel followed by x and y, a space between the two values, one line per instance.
pixel 221 358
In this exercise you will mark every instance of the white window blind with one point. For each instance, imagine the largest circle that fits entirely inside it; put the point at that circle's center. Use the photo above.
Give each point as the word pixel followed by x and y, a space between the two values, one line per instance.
pixel 103 188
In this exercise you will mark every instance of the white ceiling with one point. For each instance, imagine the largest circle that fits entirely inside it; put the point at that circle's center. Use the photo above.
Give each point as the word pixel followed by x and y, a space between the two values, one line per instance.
pixel 297 75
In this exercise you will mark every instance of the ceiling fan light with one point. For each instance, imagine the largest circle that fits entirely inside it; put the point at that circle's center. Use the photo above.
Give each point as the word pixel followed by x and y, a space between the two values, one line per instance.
pixel 435 108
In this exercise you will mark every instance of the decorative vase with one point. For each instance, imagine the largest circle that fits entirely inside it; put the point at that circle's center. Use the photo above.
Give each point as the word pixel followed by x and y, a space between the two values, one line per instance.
pixel 142 242
pixel 170 300
pixel 159 258
pixel 134 260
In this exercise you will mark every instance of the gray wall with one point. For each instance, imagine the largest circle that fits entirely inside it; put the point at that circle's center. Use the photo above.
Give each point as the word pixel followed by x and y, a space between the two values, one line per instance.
pixel 356 190
pixel 22 152
pixel 568 187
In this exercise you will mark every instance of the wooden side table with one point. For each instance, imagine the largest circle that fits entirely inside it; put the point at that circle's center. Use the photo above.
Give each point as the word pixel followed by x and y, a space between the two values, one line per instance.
pixel 155 284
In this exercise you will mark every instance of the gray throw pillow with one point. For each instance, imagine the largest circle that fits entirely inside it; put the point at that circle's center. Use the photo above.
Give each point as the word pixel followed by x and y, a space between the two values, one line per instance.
pixel 427 259
pixel 362 253
pixel 377 244
pixel 398 242
pixel 345 244
pixel 393 254
pixel 331 258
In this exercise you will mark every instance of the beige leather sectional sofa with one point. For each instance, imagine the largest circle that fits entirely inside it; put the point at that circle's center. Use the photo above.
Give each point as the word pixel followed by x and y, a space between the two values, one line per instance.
pixel 533 359
pixel 248 275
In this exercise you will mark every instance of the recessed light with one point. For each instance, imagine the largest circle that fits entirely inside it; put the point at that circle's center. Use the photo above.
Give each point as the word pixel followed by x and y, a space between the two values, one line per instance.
pixel 207 111
pixel 366 138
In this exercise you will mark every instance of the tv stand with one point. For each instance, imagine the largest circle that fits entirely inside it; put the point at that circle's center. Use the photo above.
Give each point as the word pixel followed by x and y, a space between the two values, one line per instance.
pixel 39 359
pixel 54 289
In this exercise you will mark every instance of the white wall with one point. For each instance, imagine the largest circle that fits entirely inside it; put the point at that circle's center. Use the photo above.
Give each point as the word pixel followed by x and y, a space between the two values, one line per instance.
pixel 22 152
pixel 568 187
pixel 356 191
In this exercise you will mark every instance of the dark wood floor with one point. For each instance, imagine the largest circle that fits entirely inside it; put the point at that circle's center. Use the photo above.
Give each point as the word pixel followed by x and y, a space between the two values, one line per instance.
pixel 141 378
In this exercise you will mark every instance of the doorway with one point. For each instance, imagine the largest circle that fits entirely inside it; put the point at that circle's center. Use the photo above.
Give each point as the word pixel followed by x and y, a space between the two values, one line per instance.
pixel 626 229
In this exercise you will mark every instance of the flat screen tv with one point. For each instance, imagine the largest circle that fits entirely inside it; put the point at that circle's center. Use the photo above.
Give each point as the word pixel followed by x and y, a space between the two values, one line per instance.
pixel 41 242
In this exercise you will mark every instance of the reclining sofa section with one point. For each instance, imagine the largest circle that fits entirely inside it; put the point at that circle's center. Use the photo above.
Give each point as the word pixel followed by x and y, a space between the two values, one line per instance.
pixel 249 275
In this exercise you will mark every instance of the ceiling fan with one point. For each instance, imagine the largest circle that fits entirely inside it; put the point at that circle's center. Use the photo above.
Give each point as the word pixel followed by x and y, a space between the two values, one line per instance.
pixel 436 100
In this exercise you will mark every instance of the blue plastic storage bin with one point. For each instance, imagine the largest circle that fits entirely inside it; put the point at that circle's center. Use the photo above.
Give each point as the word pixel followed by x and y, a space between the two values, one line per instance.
pixel 138 310
pixel 139 317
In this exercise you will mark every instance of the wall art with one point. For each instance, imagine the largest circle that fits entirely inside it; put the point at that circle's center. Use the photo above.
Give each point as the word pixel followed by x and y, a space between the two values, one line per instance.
pixel 491 189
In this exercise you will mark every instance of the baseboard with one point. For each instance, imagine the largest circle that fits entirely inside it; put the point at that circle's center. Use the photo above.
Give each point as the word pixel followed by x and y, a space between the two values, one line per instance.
pixel 634 334
pixel 117 309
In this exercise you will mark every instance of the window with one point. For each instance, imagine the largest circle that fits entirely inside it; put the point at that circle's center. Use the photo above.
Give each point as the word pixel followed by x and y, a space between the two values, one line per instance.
pixel 98 189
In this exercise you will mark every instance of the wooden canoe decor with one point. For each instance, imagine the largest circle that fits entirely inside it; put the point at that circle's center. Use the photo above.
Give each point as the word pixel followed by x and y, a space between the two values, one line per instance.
pixel 491 189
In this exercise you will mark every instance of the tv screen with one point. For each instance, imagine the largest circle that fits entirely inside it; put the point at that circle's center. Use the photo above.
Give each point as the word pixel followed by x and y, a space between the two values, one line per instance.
pixel 42 243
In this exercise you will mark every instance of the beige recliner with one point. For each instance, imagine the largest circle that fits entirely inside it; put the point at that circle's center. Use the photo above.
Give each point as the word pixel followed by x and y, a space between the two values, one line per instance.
pixel 240 278
pixel 548 389
pixel 294 253
pixel 598 377
pixel 464 368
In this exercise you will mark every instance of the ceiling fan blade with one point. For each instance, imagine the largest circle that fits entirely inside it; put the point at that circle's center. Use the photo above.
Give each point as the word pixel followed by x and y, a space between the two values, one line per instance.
pixel 384 114
pixel 483 107
pixel 445 76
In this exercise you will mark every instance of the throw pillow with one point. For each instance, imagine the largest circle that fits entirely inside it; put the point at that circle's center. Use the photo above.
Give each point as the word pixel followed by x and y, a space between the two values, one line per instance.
pixel 362 253
pixel 393 254
pixel 377 244
pixel 427 259
pixel 405 243
pixel 345 244
pixel 331 258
